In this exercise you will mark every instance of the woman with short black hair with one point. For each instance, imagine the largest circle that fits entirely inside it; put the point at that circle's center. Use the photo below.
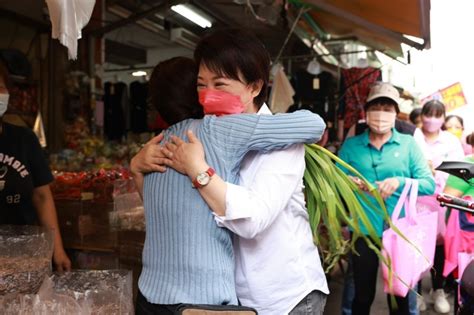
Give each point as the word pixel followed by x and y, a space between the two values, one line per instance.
pixel 187 257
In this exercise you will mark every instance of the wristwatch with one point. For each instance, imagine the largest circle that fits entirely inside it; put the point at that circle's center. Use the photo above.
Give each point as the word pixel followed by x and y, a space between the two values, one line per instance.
pixel 202 179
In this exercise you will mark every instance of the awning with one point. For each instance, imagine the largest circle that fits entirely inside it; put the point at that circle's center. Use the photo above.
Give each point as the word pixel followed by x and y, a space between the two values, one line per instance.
pixel 378 24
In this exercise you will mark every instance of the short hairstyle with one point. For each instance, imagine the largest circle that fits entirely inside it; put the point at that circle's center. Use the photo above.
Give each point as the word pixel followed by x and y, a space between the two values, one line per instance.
pixel 433 108
pixel 470 139
pixel 459 118
pixel 236 54
pixel 173 90
pixel 414 114
pixel 5 75
pixel 383 101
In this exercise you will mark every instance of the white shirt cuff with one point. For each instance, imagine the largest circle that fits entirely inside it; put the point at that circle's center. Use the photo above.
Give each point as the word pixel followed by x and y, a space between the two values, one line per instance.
pixel 236 195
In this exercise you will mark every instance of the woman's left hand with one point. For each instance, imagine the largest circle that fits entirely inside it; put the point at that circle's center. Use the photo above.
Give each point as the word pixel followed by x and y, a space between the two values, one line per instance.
pixel 61 261
pixel 387 187
pixel 185 157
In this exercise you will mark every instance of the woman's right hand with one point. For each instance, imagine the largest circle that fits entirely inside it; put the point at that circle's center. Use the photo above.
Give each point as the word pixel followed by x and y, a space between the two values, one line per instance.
pixel 186 157
pixel 150 158
pixel 360 183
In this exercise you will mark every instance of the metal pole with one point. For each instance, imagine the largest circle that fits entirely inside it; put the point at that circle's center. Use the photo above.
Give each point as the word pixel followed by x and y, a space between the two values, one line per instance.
pixel 302 9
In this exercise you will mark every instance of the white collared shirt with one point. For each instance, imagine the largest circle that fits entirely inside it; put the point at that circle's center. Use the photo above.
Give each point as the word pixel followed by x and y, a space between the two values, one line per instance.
pixel 277 263
pixel 446 147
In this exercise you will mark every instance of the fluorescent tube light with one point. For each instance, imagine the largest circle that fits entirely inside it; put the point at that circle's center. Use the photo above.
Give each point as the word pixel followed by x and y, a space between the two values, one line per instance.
pixel 139 73
pixel 191 15
pixel 307 42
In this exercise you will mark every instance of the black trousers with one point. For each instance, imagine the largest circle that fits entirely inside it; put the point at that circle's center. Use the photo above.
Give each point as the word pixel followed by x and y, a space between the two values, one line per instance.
pixel 143 307
pixel 366 266
pixel 437 270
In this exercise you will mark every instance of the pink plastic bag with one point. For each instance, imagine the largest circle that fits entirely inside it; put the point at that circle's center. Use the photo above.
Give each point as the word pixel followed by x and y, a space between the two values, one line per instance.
pixel 429 203
pixel 456 241
pixel 408 263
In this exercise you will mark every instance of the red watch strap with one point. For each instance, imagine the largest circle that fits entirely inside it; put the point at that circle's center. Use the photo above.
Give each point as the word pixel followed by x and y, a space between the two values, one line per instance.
pixel 210 171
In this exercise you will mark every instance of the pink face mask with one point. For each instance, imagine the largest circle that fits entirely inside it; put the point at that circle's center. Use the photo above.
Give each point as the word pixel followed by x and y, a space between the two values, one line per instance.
pixel 381 122
pixel 432 124
pixel 219 103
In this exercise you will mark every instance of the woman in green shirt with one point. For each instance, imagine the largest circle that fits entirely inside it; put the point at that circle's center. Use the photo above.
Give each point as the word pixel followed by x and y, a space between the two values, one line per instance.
pixel 386 158
pixel 457 187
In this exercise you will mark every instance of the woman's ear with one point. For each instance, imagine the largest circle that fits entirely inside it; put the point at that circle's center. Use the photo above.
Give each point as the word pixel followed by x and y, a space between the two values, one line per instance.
pixel 256 88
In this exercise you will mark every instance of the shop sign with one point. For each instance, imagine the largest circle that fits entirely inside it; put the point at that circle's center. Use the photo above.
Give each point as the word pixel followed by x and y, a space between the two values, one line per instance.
pixel 452 97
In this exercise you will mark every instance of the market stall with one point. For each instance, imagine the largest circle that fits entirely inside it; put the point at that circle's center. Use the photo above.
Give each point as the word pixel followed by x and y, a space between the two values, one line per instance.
pixel 86 97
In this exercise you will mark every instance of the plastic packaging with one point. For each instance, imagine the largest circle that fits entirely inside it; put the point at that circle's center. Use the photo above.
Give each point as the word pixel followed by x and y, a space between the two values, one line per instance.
pixel 104 291
pixel 25 258
pixel 83 292
pixel 128 214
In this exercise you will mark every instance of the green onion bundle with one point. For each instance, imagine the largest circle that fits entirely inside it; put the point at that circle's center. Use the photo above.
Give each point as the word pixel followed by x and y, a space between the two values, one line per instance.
pixel 332 204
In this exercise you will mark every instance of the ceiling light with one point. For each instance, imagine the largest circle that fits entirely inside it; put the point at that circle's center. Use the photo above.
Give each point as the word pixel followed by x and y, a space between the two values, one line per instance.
pixel 139 73
pixel 192 15
pixel 307 42
pixel 314 67
pixel 321 50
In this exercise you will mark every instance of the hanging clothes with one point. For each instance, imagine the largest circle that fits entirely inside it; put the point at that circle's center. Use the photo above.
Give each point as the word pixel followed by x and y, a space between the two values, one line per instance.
pixel 138 106
pixel 115 100
pixel 355 87
pixel 68 18
pixel 281 95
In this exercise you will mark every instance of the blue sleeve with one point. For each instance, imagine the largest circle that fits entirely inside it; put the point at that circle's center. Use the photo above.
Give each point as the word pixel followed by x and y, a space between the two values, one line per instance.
pixel 419 170
pixel 240 134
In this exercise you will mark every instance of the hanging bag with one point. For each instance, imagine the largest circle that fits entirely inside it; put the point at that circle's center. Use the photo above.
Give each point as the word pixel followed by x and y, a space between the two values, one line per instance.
pixel 409 260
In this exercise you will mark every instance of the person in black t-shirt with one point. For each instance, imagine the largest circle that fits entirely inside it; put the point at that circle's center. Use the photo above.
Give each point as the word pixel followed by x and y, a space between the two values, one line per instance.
pixel 25 196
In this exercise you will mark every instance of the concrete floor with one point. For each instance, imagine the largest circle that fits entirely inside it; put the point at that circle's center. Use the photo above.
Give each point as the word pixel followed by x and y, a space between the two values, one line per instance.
pixel 379 307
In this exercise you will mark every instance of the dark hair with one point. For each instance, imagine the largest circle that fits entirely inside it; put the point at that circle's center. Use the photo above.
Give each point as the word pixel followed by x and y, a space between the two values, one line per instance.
pixel 470 139
pixel 382 100
pixel 414 114
pixel 5 75
pixel 173 90
pixel 459 118
pixel 236 54
pixel 433 108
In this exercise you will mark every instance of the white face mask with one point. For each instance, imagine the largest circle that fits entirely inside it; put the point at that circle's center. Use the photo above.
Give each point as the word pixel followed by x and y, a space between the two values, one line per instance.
pixel 3 103
pixel 381 122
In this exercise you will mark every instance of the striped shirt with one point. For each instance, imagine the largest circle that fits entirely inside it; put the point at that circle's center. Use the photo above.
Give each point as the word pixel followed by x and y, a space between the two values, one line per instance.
pixel 187 258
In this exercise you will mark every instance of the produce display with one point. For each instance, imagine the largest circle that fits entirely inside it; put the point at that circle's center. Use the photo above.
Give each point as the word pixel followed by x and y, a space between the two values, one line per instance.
pixel 25 258
pixel 86 152
pixel 99 185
